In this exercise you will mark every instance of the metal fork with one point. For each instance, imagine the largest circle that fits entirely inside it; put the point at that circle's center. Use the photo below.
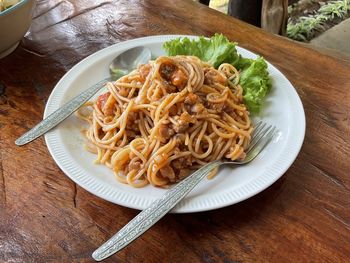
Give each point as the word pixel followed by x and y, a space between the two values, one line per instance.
pixel 261 136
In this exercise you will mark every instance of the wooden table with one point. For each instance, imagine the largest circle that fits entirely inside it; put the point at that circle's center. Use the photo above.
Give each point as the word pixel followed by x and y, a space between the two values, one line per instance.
pixel 45 217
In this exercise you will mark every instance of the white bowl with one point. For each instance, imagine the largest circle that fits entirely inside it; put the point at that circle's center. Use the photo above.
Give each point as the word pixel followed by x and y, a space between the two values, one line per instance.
pixel 14 23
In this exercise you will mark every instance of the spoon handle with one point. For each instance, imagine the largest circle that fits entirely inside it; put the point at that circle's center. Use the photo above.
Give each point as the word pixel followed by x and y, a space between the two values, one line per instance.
pixel 151 215
pixel 61 114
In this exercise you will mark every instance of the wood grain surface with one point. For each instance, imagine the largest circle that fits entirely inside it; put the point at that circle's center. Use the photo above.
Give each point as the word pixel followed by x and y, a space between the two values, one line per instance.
pixel 45 217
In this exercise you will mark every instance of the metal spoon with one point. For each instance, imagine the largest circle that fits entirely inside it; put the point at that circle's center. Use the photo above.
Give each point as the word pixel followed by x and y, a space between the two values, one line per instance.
pixel 121 65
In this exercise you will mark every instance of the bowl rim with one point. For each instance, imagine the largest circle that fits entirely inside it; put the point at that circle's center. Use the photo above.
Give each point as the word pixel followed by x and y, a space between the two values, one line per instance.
pixel 14 7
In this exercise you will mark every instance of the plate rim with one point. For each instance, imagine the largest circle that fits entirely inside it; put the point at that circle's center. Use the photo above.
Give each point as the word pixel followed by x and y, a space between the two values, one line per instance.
pixel 183 206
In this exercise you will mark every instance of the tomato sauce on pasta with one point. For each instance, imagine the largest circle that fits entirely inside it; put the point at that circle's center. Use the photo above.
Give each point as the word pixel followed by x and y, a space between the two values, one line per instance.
pixel 166 118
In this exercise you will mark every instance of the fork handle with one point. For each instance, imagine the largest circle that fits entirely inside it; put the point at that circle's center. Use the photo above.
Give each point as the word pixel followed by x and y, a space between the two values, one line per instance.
pixel 148 217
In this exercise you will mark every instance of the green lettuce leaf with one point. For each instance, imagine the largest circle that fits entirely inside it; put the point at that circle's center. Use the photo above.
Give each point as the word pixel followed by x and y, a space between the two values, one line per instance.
pixel 256 84
pixel 254 76
pixel 216 50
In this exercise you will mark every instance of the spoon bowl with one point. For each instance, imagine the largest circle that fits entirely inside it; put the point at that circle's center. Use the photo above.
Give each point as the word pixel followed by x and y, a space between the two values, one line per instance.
pixel 129 60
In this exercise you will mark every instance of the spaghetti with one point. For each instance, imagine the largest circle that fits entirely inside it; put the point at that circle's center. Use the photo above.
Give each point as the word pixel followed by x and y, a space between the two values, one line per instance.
pixel 166 118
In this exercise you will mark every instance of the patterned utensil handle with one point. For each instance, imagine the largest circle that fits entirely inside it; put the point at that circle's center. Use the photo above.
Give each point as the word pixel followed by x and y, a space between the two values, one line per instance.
pixel 148 217
pixel 59 115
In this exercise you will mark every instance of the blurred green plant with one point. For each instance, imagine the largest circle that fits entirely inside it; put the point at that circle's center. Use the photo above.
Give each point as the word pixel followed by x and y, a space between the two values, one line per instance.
pixel 338 8
pixel 306 27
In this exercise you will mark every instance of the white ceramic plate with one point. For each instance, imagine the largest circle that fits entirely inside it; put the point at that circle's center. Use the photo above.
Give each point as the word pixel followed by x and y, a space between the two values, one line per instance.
pixel 282 108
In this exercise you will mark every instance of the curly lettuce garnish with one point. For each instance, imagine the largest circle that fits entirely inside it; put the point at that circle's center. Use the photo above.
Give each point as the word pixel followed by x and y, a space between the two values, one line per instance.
pixel 256 84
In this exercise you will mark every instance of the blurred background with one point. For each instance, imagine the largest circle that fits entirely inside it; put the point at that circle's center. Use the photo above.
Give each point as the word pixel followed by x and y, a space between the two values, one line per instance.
pixel 320 24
